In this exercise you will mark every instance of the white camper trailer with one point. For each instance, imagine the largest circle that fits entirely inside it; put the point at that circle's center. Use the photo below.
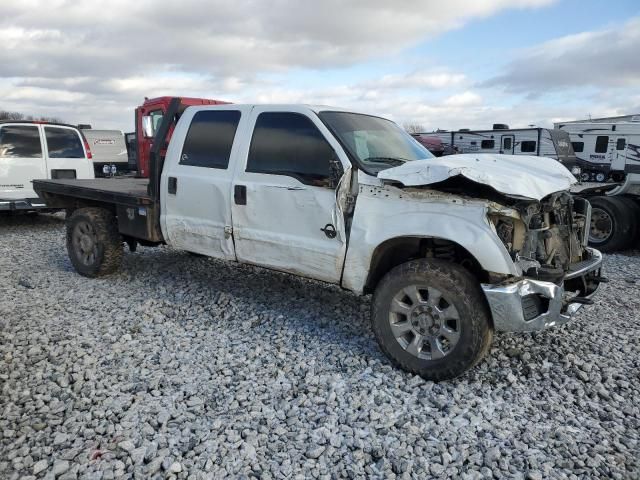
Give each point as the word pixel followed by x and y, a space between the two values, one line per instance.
pixel 608 154
pixel 541 142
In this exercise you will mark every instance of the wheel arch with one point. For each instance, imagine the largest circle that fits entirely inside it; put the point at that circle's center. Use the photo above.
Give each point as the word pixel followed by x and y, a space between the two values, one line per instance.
pixel 397 250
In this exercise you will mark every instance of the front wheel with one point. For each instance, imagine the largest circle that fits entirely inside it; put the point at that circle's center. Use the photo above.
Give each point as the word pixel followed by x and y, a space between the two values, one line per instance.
pixel 430 318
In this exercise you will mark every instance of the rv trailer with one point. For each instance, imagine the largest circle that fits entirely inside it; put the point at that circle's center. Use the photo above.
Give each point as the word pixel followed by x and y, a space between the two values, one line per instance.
pixel 608 154
pixel 541 142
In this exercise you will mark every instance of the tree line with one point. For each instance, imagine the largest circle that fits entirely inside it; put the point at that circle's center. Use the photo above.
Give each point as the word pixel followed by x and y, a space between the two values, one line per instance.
pixel 17 116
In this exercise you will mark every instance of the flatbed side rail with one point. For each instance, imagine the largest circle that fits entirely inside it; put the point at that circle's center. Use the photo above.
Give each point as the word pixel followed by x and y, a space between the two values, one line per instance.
pixel 116 192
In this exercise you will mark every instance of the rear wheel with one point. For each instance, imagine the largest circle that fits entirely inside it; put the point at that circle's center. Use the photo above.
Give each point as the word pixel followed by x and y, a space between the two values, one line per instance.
pixel 613 224
pixel 93 242
pixel 430 318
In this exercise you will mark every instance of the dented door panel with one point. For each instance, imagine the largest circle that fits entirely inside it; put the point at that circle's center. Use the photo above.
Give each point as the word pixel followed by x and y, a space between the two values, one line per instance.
pixel 281 225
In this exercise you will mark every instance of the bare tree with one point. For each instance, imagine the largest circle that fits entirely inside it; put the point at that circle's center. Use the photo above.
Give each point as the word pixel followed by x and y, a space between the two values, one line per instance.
pixel 411 127
pixel 6 115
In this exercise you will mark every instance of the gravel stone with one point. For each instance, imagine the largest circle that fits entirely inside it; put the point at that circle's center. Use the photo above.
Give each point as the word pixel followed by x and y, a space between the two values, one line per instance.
pixel 40 466
pixel 59 467
pixel 186 367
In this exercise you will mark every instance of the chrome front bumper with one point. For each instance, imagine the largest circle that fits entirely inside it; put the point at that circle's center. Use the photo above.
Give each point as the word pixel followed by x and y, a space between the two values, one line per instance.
pixel 507 301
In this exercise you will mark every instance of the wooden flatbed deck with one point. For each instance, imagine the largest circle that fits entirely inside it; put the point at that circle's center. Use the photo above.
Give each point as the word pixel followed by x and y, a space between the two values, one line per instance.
pixel 122 191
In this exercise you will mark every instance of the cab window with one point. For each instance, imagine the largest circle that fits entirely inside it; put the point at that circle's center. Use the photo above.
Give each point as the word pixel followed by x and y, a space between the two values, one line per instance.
pixel 287 143
pixel 210 138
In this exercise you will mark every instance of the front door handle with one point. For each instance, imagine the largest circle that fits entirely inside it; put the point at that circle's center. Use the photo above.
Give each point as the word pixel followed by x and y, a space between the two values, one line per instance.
pixel 240 194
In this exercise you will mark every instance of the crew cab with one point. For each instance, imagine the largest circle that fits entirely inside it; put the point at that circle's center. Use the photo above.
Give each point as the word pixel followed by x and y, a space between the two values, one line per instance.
pixel 452 248
pixel 30 150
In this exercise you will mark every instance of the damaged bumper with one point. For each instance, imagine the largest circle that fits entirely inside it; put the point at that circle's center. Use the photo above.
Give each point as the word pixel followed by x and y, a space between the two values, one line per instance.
pixel 529 305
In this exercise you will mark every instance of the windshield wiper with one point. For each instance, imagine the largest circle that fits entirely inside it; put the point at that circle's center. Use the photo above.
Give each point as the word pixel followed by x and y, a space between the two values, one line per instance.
pixel 385 160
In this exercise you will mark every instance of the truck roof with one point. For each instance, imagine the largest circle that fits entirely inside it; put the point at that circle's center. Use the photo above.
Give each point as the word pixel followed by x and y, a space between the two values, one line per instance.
pixel 38 122
pixel 313 107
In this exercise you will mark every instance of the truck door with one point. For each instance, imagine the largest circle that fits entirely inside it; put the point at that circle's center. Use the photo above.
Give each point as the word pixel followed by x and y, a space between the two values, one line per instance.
pixel 21 160
pixel 507 144
pixel 285 214
pixel 195 188
pixel 65 155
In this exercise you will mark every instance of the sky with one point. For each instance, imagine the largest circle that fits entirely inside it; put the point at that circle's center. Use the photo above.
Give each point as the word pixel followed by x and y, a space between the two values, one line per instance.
pixel 438 64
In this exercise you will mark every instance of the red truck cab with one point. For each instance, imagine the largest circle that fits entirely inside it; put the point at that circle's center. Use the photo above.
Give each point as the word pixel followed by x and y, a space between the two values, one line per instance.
pixel 147 118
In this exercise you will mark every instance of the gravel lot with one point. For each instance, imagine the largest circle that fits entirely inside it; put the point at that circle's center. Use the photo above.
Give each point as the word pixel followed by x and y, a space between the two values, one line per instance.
pixel 187 367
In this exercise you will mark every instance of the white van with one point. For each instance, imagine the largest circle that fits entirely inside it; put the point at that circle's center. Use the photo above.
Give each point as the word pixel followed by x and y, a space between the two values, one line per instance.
pixel 35 150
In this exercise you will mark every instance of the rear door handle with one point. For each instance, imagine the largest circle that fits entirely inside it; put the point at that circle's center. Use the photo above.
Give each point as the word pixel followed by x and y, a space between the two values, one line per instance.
pixel 172 186
pixel 240 194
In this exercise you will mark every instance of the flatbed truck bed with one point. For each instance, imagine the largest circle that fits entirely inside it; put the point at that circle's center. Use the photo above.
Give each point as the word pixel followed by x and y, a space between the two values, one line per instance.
pixel 136 211
pixel 129 191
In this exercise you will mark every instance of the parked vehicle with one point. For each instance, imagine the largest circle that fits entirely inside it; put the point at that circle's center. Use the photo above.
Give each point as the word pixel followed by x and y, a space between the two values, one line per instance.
pixel 109 151
pixel 30 150
pixel 452 248
pixel 608 155
pixel 433 144
pixel 147 118
pixel 542 142
pixel 132 155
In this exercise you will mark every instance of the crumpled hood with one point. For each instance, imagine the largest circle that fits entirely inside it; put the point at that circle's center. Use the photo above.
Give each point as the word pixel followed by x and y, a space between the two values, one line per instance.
pixel 521 176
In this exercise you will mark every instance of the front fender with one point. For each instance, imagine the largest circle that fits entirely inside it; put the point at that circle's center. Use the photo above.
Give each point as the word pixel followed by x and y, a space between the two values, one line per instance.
pixel 385 213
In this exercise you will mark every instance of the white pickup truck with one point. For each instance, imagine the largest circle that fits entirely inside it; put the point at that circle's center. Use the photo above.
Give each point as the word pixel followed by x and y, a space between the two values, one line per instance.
pixel 452 248
pixel 30 150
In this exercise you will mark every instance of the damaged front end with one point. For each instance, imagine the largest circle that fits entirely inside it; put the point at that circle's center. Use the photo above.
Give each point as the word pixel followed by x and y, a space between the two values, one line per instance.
pixel 547 241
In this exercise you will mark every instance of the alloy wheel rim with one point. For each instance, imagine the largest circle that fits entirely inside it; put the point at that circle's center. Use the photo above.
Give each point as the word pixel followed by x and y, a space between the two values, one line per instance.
pixel 85 242
pixel 424 322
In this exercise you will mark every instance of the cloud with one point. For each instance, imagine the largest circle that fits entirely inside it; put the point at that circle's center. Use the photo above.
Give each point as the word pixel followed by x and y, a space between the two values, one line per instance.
pixel 465 99
pixel 604 58
pixel 62 38
pixel 421 79
pixel 95 61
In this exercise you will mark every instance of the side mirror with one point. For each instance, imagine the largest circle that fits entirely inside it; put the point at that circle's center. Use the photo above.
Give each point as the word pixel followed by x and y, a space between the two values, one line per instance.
pixel 337 171
pixel 147 126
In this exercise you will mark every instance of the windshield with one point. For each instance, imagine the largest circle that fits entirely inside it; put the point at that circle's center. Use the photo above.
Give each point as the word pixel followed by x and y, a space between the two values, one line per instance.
pixel 375 143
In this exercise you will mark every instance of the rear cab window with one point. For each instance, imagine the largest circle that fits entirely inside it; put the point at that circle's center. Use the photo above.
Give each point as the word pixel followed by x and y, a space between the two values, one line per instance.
pixel 63 142
pixel 20 141
pixel 289 144
pixel 210 138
